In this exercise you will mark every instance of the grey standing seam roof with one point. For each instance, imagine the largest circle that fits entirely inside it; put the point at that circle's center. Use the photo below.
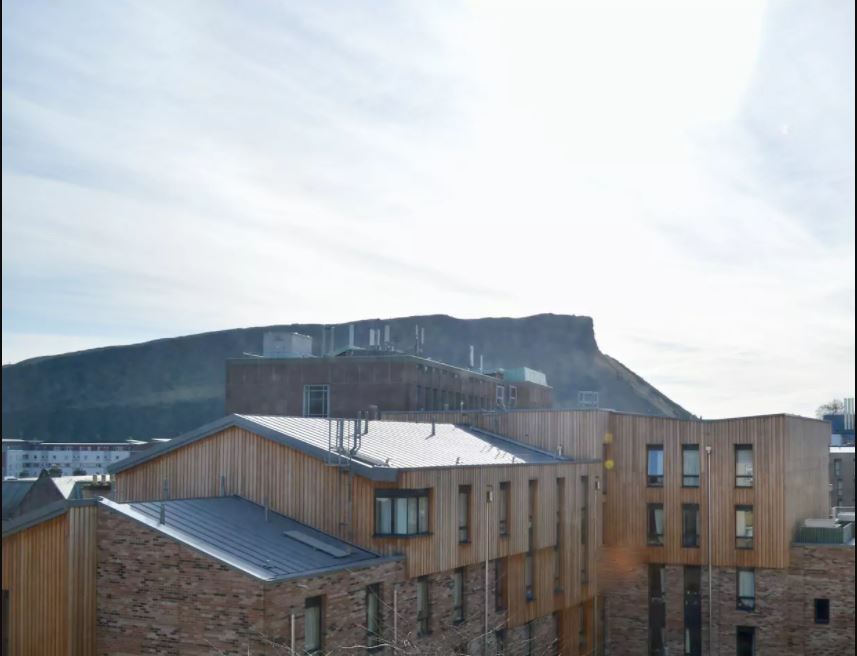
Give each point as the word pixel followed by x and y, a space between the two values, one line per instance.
pixel 234 531
pixel 13 493
pixel 387 447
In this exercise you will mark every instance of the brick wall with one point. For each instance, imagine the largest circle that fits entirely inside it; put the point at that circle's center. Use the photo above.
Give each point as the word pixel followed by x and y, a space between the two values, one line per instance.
pixel 783 617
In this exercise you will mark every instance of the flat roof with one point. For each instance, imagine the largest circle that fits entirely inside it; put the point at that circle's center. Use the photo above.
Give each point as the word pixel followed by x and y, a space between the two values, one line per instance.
pixel 237 532
pixel 386 448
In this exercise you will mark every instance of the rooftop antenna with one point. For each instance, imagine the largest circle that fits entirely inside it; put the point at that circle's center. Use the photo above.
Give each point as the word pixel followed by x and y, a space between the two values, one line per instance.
pixel 162 515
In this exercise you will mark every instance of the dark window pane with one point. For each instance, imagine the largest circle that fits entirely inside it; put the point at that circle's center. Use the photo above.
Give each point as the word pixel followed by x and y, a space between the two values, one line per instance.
pixel 822 611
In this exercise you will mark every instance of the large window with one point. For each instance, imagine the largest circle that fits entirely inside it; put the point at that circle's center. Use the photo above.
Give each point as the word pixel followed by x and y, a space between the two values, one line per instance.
pixel 503 507
pixel 657 610
pixel 690 465
pixel 692 611
pixel 744 527
pixel 401 512
pixel 513 396
pixel 423 606
pixel 690 525
pixel 558 549
pixel 745 641
pixel 655 522
pixel 373 617
pixel 822 611
pixel 746 589
pixel 501 396
pixel 312 625
pixel 464 513
pixel 532 489
pixel 458 595
pixel 316 401
pixel 500 642
pixel 744 465
pixel 655 465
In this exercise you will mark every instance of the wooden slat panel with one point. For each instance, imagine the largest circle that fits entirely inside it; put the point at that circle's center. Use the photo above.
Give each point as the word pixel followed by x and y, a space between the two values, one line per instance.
pixel 82 579
pixel 35 572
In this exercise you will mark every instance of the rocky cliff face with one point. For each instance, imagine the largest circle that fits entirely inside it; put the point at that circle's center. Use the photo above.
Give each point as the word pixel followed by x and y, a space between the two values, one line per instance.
pixel 165 387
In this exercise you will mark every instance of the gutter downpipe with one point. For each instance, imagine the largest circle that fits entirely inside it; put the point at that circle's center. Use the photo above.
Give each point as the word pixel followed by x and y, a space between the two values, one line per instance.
pixel 489 494
pixel 710 557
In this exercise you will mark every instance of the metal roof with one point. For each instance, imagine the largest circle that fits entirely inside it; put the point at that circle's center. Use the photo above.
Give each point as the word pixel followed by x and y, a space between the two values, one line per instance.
pixel 386 448
pixel 14 492
pixel 235 531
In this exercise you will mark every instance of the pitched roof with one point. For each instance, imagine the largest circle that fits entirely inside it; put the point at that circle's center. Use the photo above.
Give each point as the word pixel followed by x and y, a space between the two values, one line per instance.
pixel 13 493
pixel 386 447
pixel 236 532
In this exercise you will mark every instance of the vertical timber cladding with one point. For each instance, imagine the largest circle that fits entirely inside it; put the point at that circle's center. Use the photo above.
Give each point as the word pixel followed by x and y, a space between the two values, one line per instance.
pixel 777 457
pixel 49 571
pixel 36 574
pixel 290 482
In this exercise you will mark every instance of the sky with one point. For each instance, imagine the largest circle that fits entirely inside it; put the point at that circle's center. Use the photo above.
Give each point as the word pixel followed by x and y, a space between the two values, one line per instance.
pixel 682 172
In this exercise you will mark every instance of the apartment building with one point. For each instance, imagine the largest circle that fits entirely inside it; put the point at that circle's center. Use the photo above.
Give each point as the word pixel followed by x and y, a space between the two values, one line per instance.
pixel 24 459
pixel 699 549
pixel 842 476
pixel 467 542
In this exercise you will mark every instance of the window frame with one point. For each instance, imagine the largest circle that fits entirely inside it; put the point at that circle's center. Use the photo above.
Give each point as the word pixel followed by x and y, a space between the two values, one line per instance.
pixel 424 615
pixel 654 480
pixel 464 528
pixel 748 480
pixel 651 520
pixel 817 617
pixel 423 498
pixel 307 391
pixel 314 602
pixel 744 541
pixel 459 577
pixel 374 639
pixel 743 603
pixel 698 535
pixel 690 448
pixel 503 507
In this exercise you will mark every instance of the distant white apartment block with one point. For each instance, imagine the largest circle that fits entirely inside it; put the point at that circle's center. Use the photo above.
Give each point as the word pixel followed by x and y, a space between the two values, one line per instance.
pixel 26 458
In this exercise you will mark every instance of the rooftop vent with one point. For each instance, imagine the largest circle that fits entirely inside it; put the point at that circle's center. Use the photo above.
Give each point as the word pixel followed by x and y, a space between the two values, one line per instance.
pixel 315 543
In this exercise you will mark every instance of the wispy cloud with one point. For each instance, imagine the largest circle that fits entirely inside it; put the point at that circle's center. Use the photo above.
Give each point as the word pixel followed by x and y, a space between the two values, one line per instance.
pixel 184 166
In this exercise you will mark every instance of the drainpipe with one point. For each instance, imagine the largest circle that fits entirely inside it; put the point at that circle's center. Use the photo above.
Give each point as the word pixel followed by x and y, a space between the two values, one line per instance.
pixel 710 556
pixel 489 497
pixel 292 622
pixel 395 617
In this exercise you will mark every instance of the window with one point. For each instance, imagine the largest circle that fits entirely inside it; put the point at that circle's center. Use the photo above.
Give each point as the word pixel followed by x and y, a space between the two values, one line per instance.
pixel 584 529
pixel 743 465
pixel 503 506
pixel 837 467
pixel 655 536
pixel 530 638
pixel 458 595
pixel 401 512
pixel 532 489
pixel 690 465
pixel 501 396
pixel 655 465
pixel 690 525
pixel 557 556
pixel 500 641
pixel 746 641
pixel 464 513
pixel 822 611
pixel 373 616
pixel 312 625
pixel 528 575
pixel 423 606
pixel 657 610
pixel 743 527
pixel 513 396
pixel 316 400
pixel 692 611
pixel 746 589
pixel 500 584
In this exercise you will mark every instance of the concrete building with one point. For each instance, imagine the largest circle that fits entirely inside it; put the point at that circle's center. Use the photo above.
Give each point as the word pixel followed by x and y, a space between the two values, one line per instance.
pixel 26 458
pixel 362 380
pixel 842 476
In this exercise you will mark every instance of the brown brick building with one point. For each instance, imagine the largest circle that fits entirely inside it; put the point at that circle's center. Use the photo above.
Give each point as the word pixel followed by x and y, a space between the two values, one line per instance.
pixel 359 380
